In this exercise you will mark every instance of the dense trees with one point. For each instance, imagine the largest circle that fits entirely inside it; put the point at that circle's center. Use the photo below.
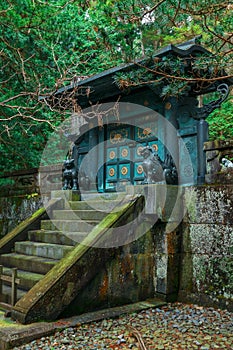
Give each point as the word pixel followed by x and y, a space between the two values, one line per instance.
pixel 46 44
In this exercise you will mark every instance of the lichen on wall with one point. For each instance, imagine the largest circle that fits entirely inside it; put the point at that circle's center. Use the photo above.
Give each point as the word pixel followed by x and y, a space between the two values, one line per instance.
pixel 14 210
pixel 207 247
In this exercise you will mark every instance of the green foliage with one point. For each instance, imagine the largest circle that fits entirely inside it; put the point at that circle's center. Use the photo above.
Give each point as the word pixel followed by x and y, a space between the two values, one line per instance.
pixel 221 122
pixel 44 45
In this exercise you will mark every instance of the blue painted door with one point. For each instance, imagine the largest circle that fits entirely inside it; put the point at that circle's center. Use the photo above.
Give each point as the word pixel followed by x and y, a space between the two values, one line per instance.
pixel 123 161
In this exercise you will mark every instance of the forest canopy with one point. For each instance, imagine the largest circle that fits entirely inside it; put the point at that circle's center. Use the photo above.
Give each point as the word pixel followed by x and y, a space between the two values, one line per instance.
pixel 45 45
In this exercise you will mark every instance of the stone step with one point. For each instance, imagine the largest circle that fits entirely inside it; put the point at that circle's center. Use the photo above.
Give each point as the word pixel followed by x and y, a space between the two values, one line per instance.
pixel 105 206
pixel 69 225
pixel 29 263
pixel 45 250
pixel 27 279
pixel 5 297
pixel 107 196
pixel 79 214
pixel 54 237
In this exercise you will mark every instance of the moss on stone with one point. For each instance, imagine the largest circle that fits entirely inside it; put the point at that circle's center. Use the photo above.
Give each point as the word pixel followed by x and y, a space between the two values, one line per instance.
pixel 55 277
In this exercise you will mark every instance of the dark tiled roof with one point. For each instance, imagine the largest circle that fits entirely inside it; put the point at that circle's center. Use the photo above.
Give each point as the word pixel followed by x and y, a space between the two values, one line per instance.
pixel 102 86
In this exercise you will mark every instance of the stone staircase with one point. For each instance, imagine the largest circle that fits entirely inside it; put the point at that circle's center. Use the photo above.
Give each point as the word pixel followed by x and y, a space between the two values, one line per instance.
pixel 43 248
pixel 58 252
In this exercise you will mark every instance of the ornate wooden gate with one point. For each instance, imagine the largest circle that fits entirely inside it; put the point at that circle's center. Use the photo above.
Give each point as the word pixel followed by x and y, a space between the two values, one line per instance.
pixel 123 163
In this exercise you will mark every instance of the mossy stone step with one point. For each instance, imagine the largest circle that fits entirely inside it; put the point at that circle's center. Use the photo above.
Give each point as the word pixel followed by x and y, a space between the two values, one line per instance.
pixel 102 196
pixel 29 263
pixel 69 225
pixel 54 237
pixel 27 279
pixel 45 250
pixel 105 206
pixel 79 214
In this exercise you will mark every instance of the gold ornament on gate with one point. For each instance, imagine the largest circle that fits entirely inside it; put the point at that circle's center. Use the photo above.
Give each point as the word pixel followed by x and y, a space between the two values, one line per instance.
pixel 147 131
pixel 140 169
pixel 124 170
pixel 111 172
pixel 112 155
pixel 124 152
pixel 155 147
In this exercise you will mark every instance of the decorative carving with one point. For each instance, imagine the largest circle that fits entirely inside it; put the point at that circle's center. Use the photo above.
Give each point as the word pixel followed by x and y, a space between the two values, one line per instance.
pixel 70 175
pixel 139 169
pixel 124 170
pixel 152 166
pixel 203 112
pixel 155 147
pixel 27 180
pixel 143 133
pixel 72 179
pixel 112 155
pixel 189 147
pixel 156 170
pixel 118 136
pixel 170 171
pixel 111 172
pixel 124 152
pixel 188 171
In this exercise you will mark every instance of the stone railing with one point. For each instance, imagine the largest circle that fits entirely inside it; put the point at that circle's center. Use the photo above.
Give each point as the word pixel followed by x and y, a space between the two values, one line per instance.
pixel 21 182
pixel 50 178
pixel 28 182
pixel 216 152
pixel 21 194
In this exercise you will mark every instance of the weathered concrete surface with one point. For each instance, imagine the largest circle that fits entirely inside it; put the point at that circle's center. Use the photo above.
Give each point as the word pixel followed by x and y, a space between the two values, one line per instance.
pixel 14 210
pixel 19 233
pixel 209 204
pixel 20 194
pixel 55 292
pixel 215 151
pixel 192 261
pixel 207 247
pixel 164 201
pixel 126 278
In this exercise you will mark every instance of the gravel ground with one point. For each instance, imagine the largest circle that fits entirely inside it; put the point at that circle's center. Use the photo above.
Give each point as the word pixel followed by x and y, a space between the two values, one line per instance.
pixel 174 326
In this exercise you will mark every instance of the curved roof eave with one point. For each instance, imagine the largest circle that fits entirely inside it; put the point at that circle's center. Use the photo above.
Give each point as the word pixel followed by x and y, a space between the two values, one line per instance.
pixel 102 85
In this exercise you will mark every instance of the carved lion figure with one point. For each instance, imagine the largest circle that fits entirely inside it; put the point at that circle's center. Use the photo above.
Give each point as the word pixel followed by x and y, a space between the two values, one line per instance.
pixel 152 166
pixel 156 170
pixel 70 175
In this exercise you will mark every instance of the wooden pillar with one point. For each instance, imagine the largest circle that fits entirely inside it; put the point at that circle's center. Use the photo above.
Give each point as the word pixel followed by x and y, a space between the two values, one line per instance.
pixel 1 269
pixel 14 286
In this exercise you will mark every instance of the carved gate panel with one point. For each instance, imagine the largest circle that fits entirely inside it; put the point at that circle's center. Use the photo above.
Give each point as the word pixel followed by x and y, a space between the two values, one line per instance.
pixel 123 163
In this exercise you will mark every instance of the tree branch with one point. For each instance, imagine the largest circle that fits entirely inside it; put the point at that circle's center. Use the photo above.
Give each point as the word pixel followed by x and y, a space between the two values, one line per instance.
pixel 153 8
pixel 214 33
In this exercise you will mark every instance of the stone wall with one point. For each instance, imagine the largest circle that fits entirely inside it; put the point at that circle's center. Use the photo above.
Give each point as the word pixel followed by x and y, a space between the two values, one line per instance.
pixel 195 260
pixel 19 198
pixel 20 194
pixel 15 209
pixel 216 172
pixel 206 270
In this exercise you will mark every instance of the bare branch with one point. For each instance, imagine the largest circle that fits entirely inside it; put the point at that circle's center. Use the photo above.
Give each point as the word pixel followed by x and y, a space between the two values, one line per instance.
pixel 3 103
pixel 153 8
pixel 8 9
pixel 175 77
pixel 206 10
pixel 138 336
pixel 225 40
